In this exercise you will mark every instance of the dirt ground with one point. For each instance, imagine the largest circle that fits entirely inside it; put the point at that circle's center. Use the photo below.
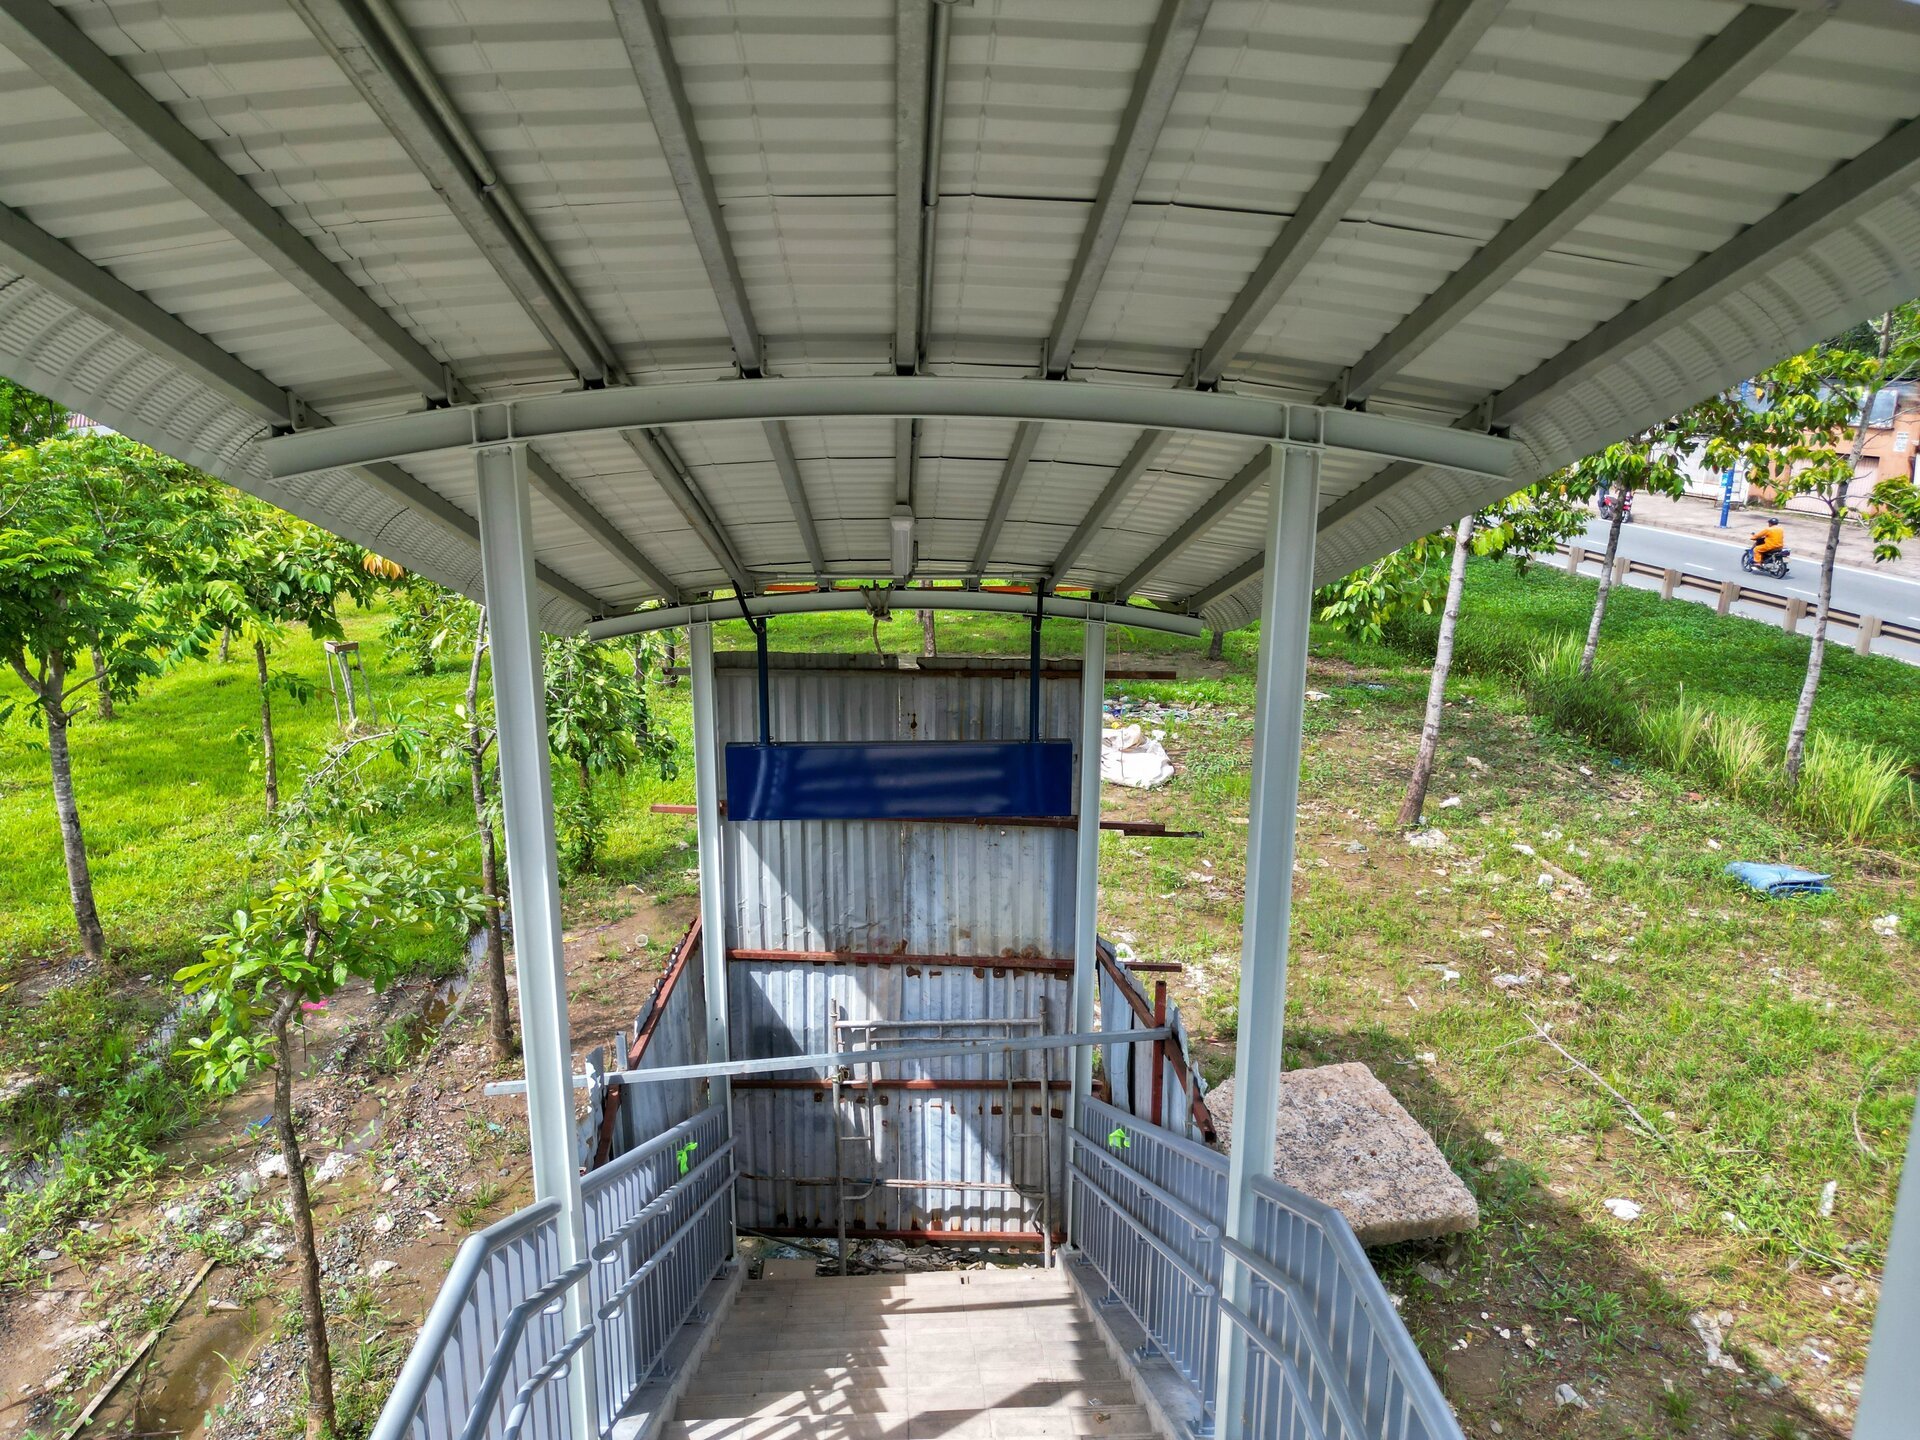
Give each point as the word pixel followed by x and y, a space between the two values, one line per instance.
pixel 405 1162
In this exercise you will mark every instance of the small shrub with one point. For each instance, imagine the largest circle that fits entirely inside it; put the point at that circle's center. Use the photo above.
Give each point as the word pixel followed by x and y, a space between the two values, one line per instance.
pixel 1851 789
pixel 1597 705
pixel 1738 757
pixel 1674 736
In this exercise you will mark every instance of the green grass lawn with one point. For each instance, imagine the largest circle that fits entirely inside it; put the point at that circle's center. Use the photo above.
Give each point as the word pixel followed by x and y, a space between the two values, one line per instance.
pixel 1731 663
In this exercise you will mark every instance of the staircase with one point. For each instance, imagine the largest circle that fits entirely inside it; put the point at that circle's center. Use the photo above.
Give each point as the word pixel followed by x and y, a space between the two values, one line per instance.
pixel 950 1355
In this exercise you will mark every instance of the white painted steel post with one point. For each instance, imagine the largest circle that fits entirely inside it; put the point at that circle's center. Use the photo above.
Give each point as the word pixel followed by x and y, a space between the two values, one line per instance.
pixel 1086 867
pixel 706 806
pixel 533 870
pixel 1890 1395
pixel 1279 693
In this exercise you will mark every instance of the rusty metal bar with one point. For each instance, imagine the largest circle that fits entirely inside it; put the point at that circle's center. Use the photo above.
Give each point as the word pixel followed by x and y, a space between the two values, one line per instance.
pixel 636 1052
pixel 965 962
pixel 1152 829
pixel 1159 1086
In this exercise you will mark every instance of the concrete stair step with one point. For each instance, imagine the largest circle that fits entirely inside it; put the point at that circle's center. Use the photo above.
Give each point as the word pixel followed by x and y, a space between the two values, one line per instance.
pixel 893 1373
pixel 936 1392
pixel 1112 1422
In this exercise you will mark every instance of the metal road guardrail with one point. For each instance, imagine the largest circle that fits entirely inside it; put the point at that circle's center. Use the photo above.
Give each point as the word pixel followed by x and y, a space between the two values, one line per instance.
pixel 657 1233
pixel 1329 1358
pixel 1728 593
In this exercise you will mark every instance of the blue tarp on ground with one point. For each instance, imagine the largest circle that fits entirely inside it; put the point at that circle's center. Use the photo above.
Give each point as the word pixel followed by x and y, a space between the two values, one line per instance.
pixel 1777 880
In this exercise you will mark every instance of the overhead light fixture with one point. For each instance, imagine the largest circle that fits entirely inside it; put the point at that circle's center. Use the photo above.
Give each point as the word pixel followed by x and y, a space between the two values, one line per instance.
pixel 903 546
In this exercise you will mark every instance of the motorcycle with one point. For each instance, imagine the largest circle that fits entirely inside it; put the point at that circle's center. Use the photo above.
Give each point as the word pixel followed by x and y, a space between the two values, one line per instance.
pixel 1609 500
pixel 1775 564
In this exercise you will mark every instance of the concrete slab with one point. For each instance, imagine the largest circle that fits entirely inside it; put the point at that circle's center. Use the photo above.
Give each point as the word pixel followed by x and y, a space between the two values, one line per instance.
pixel 1343 1139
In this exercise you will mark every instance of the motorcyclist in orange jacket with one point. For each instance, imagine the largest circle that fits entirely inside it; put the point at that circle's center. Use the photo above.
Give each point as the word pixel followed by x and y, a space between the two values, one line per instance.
pixel 1768 539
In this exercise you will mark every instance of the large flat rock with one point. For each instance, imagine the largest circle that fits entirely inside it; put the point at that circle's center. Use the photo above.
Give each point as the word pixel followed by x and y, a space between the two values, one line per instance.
pixel 1343 1139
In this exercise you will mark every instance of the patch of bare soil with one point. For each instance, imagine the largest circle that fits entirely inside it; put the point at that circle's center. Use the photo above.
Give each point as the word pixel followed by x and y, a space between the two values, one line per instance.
pixel 177 1315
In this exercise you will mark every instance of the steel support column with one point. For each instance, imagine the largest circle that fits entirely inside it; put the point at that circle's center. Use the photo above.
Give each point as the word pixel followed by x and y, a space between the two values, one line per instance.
pixel 707 818
pixel 1279 694
pixel 1890 1396
pixel 533 867
pixel 1086 861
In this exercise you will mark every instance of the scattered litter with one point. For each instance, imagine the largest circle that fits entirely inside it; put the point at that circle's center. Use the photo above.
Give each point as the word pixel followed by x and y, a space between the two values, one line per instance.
pixel 390 1184
pixel 382 1267
pixel 1523 847
pixel 274 1167
pixel 1131 757
pixel 1713 844
pixel 1622 1209
pixel 1828 1192
pixel 1447 977
pixel 1427 1057
pixel 1734 1223
pixel 1545 882
pixel 1433 1274
pixel 1318 695
pixel 382 1223
pixel 46 1257
pixel 1565 1395
pixel 1428 840
pixel 1449 802
pixel 1478 765
pixel 332 1168
pixel 1708 1327
pixel 1888 925
pixel 222 1306
pixel 1774 881
pixel 1509 981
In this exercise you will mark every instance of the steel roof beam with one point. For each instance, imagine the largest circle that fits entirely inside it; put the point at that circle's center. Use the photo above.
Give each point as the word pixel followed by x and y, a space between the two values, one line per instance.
pixel 1757 37
pixel 1176 31
pixel 1247 480
pixel 788 464
pixel 1451 31
pixel 52 47
pixel 644 33
pixel 667 470
pixel 1130 407
pixel 1139 460
pixel 1228 582
pixel 375 52
pixel 1876 175
pixel 72 278
pixel 920 40
pixel 1025 436
pixel 560 493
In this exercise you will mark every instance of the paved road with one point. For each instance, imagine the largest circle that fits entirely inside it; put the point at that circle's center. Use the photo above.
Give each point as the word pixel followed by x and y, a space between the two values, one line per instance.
pixel 1862 591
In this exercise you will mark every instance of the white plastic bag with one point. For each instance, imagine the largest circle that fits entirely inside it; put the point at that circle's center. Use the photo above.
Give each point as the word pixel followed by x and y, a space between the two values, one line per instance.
pixel 1131 757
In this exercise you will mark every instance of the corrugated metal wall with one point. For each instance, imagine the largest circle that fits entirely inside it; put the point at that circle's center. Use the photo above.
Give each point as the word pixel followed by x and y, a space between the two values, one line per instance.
pixel 887 889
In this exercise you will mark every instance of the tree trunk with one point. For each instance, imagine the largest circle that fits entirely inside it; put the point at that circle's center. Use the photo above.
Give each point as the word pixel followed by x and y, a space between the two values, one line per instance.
pixel 73 843
pixel 226 642
pixel 1606 581
pixel 321 1420
pixel 928 645
pixel 499 1019
pixel 1217 645
pixel 102 692
pixel 673 658
pixel 1416 798
pixel 269 762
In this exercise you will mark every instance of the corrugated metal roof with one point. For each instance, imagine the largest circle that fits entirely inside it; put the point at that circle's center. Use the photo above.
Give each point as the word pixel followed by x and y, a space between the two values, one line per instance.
pixel 794 113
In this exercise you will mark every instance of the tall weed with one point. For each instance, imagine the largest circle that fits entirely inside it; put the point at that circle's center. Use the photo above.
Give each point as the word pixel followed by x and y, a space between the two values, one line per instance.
pixel 1851 789
pixel 1596 705
pixel 1739 759
pixel 1674 736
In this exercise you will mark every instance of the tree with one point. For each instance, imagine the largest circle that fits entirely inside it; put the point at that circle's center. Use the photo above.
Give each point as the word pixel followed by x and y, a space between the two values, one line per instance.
pixel 76 515
pixel 257 573
pixel 1371 599
pixel 1805 427
pixel 328 919
pixel 1649 462
pixel 600 722
pixel 27 418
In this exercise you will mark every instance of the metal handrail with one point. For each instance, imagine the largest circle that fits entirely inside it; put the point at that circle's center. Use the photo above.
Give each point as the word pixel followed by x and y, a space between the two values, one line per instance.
pixel 604 1253
pixel 1303 1315
pixel 646 1267
pixel 1273 1352
pixel 557 1366
pixel 1201 1285
pixel 1198 1223
pixel 410 1389
pixel 1385 1322
pixel 494 1377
